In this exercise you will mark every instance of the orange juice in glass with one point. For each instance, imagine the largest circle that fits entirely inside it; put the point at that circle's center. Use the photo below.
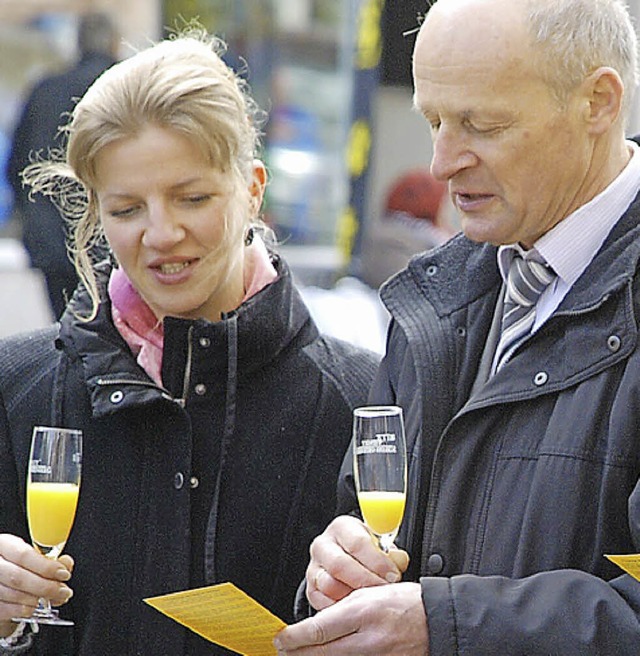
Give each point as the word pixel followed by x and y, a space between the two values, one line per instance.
pixel 51 509
pixel 53 484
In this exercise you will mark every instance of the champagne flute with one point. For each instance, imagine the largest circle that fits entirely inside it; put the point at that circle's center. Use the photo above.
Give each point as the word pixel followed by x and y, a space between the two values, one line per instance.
pixel 380 469
pixel 53 484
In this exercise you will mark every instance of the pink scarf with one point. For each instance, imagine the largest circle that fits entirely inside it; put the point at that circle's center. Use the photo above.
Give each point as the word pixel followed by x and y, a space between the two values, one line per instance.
pixel 141 329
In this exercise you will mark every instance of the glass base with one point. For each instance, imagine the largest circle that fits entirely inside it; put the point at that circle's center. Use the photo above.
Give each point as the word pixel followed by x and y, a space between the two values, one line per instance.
pixel 42 616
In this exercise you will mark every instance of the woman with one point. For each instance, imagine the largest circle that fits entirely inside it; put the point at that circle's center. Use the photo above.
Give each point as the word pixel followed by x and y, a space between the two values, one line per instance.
pixel 214 415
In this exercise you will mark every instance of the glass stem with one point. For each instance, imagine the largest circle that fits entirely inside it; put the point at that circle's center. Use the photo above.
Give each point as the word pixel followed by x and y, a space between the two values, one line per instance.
pixel 385 542
pixel 44 607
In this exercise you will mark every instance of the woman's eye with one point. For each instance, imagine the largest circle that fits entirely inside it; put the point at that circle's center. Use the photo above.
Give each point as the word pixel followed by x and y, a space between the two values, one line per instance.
pixel 196 199
pixel 123 213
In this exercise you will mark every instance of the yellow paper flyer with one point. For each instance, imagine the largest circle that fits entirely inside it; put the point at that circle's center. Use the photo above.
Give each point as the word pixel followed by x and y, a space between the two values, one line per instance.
pixel 630 563
pixel 223 614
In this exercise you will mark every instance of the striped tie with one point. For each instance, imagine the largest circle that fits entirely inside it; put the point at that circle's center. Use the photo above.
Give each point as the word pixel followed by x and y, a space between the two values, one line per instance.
pixel 526 281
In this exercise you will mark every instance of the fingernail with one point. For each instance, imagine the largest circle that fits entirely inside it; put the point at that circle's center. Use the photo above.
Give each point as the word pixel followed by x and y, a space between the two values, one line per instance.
pixel 392 577
pixel 66 593
pixel 277 644
pixel 63 575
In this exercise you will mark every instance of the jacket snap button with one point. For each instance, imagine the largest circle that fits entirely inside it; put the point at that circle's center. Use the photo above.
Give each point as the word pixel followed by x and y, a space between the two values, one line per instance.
pixel 201 389
pixel 205 342
pixel 116 397
pixel 432 269
pixel 194 482
pixel 614 343
pixel 435 564
pixel 178 481
pixel 540 378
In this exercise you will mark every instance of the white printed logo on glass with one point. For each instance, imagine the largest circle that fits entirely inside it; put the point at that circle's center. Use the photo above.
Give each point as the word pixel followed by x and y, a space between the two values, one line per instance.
pixel 38 468
pixel 381 443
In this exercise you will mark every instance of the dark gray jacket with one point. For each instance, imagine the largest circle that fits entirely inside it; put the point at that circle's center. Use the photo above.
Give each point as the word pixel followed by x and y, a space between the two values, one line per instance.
pixel 225 475
pixel 517 493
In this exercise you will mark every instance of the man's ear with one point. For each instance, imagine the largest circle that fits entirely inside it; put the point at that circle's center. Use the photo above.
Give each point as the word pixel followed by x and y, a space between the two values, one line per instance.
pixel 604 92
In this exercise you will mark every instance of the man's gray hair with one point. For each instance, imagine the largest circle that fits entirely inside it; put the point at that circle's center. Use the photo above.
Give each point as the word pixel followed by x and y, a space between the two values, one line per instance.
pixel 575 37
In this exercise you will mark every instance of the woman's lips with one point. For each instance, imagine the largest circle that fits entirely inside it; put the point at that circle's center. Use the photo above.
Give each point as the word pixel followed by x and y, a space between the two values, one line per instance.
pixel 172 272
pixel 173 267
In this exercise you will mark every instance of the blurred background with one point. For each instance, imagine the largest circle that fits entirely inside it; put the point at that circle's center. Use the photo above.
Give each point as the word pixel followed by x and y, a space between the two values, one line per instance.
pixel 334 77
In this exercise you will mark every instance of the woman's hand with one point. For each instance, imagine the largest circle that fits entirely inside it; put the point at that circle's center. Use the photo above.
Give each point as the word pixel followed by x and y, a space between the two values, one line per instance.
pixel 345 558
pixel 25 577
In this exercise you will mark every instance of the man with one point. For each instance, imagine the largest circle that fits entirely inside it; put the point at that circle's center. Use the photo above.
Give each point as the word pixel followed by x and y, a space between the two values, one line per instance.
pixel 37 131
pixel 525 456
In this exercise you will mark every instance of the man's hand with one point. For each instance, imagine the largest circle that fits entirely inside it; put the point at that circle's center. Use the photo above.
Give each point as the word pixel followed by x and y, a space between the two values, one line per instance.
pixel 346 558
pixel 26 576
pixel 387 619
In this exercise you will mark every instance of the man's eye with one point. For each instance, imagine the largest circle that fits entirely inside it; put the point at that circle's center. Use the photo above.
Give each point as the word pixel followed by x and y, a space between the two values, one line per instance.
pixel 433 121
pixel 484 128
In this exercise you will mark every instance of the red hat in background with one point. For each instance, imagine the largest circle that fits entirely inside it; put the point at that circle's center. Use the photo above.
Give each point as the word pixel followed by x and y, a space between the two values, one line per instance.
pixel 414 219
pixel 416 193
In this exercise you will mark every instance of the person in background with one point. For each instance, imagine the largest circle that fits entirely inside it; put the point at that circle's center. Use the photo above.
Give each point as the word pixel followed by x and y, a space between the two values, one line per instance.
pixel 514 352
pixel 413 220
pixel 215 416
pixel 37 132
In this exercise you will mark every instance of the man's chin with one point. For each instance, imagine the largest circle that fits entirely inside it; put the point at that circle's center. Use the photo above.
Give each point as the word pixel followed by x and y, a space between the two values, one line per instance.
pixel 485 231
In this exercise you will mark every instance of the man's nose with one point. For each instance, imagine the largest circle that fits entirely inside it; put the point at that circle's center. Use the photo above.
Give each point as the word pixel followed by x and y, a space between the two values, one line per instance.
pixel 451 154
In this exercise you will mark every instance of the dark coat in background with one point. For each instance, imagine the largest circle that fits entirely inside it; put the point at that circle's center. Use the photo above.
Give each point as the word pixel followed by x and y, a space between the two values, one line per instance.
pixel 226 474
pixel 37 131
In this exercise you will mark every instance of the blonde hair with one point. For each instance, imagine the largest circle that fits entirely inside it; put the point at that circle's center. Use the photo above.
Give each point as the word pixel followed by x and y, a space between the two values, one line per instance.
pixel 180 83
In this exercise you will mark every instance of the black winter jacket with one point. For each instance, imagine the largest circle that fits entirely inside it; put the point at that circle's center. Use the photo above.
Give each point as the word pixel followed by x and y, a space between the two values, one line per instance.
pixel 226 474
pixel 517 492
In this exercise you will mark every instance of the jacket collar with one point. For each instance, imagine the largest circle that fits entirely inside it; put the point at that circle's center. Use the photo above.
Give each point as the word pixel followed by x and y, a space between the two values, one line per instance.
pixel 436 276
pixel 265 325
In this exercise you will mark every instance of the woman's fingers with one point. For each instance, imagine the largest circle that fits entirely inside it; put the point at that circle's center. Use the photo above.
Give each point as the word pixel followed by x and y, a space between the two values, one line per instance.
pixel 26 576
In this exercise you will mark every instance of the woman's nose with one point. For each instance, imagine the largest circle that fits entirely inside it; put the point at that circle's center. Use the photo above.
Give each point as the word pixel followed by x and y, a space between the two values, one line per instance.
pixel 163 229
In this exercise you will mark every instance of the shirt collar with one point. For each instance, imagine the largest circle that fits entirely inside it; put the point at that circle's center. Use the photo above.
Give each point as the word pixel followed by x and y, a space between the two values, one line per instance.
pixel 585 229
